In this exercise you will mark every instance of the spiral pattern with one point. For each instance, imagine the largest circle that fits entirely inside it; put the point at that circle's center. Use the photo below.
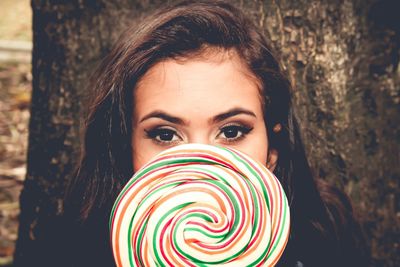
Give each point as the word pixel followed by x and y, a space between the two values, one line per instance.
pixel 200 205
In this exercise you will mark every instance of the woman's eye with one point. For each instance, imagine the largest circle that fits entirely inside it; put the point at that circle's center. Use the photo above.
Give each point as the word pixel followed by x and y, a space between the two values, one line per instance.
pixel 234 132
pixel 163 135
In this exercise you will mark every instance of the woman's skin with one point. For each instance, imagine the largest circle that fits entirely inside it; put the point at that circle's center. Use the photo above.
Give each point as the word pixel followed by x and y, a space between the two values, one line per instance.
pixel 210 99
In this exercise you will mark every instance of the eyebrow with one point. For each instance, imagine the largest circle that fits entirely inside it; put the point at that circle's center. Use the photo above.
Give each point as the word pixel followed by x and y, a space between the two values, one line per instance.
pixel 218 118
pixel 164 116
pixel 232 112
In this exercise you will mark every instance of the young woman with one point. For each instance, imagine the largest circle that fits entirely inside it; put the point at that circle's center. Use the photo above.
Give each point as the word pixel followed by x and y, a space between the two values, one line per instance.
pixel 201 73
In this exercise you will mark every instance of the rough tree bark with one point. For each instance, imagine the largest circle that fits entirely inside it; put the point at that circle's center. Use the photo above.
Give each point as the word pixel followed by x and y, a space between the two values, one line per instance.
pixel 342 57
pixel 69 39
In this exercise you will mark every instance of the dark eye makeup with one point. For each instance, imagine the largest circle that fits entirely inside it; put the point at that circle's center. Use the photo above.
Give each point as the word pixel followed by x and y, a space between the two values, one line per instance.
pixel 234 132
pixel 163 135
pixel 228 133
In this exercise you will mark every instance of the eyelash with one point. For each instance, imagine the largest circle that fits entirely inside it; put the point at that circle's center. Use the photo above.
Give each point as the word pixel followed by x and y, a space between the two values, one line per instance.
pixel 155 133
pixel 243 129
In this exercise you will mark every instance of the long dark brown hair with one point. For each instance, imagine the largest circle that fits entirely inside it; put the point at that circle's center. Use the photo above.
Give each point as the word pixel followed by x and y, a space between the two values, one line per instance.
pixel 323 227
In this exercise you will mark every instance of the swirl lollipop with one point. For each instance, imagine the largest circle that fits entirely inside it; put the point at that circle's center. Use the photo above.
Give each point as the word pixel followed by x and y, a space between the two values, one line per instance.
pixel 200 205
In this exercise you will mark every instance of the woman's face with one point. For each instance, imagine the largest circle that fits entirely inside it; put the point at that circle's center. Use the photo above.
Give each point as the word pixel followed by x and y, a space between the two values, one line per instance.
pixel 210 100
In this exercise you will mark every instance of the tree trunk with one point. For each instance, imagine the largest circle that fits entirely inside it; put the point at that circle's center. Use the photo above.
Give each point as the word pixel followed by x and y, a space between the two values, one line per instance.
pixel 342 57
pixel 70 37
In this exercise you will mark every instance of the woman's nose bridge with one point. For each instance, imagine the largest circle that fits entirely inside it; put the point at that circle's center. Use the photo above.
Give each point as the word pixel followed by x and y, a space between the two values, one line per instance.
pixel 200 138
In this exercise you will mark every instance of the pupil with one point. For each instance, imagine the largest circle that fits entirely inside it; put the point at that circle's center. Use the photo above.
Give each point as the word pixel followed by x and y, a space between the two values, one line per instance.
pixel 231 132
pixel 166 135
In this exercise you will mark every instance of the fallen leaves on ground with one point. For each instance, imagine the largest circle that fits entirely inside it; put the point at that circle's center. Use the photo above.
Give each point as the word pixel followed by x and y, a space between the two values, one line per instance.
pixel 15 91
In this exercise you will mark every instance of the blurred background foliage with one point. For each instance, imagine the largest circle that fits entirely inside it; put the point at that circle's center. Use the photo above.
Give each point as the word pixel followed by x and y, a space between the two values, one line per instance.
pixel 15 95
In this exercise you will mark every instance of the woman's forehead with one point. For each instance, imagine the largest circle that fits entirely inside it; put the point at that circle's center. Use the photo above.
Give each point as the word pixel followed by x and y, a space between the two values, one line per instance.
pixel 206 54
pixel 197 86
